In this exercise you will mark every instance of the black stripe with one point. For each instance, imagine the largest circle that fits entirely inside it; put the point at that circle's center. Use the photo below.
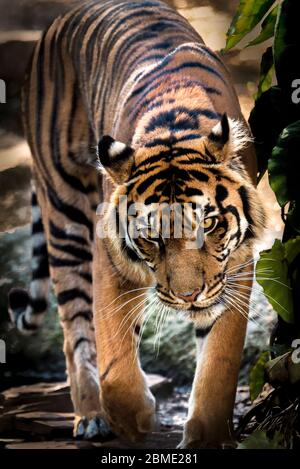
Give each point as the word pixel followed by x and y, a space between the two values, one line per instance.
pixel 86 315
pixel 220 176
pixel 42 270
pixel 144 185
pixel 221 193
pixel 39 305
pixel 201 333
pixel 70 211
pixel 207 51
pixel 18 299
pixel 72 294
pixel 59 233
pixel 189 119
pixel 58 262
pixel 34 201
pixel 86 276
pixel 210 156
pixel 152 199
pixel 243 193
pixel 37 227
pixel 212 287
pixel 173 139
pixel 199 175
pixel 191 191
pixel 129 252
pixel 234 211
pixel 80 341
pixel 195 160
pixel 167 44
pixel 40 250
pixel 76 252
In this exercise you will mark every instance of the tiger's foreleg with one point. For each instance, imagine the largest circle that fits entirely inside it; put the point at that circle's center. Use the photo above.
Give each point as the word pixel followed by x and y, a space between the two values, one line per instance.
pixel 126 401
pixel 212 399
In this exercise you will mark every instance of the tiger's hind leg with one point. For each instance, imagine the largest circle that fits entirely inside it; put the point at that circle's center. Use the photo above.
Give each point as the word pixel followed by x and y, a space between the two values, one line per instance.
pixel 27 308
pixel 69 231
pixel 59 135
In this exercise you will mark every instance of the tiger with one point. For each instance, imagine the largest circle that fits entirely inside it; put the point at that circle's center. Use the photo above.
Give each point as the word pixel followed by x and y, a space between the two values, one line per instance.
pixel 124 100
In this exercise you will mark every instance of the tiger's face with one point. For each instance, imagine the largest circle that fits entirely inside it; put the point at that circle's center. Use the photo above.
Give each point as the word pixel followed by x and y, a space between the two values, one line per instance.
pixel 191 214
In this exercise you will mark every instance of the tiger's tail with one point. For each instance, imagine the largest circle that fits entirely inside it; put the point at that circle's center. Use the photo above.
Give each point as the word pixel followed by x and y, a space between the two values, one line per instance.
pixel 27 308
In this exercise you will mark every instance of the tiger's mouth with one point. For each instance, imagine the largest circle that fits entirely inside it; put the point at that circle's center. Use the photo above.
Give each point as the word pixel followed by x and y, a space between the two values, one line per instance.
pixel 206 306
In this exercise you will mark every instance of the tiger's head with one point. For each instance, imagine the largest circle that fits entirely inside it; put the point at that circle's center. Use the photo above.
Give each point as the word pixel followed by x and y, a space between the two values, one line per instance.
pixel 189 269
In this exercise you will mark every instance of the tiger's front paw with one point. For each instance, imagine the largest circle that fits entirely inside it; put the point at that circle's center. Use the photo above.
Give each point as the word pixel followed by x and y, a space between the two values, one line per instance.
pixel 91 429
pixel 198 436
pixel 128 414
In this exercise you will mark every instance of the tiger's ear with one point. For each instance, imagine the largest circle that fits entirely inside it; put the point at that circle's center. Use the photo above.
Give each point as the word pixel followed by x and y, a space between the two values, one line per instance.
pixel 226 139
pixel 115 158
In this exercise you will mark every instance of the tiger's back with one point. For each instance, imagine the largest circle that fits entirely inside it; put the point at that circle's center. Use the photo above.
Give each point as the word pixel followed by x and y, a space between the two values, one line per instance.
pixel 109 54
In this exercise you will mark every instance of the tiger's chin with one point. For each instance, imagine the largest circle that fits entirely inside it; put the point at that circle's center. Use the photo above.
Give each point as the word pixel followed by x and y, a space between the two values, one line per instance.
pixel 203 317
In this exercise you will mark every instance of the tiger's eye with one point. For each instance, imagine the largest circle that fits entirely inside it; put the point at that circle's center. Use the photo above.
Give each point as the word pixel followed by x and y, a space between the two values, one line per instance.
pixel 209 224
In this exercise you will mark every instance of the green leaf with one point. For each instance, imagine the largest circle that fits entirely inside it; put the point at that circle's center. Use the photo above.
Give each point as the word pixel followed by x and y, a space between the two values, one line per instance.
pixel 248 15
pixel 292 249
pixel 272 275
pixel 278 176
pixel 257 376
pixel 287 44
pixel 277 369
pixel 266 72
pixel 284 179
pixel 259 440
pixel 267 27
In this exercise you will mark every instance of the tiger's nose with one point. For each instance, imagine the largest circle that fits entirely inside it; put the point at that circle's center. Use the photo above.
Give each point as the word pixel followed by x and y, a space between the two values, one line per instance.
pixel 189 297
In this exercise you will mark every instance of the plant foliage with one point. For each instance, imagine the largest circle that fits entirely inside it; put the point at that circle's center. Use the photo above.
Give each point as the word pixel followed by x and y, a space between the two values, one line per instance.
pixel 275 124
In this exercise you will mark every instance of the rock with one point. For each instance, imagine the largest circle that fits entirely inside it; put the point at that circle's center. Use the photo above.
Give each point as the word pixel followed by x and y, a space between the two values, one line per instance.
pixel 46 409
pixel 43 445
pixel 39 423
pixel 4 442
pixel 39 388
pixel 160 386
pixel 43 397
